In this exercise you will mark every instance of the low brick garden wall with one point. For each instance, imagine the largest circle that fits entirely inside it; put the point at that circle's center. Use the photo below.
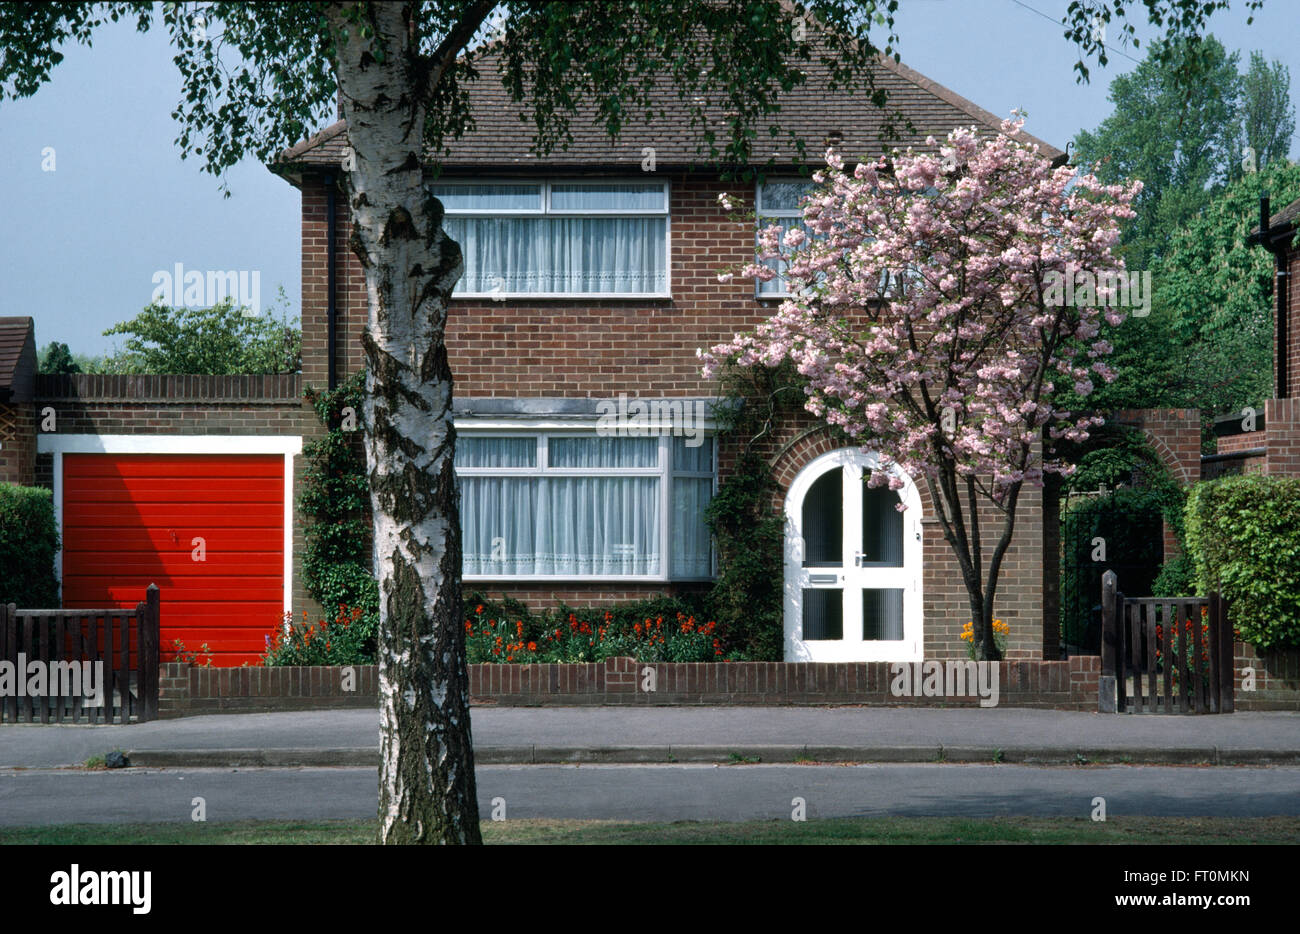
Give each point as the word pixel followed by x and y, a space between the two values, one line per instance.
pixel 1277 678
pixel 184 690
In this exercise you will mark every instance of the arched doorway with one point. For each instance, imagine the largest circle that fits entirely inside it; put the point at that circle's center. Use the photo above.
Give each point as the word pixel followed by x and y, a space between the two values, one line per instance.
pixel 852 564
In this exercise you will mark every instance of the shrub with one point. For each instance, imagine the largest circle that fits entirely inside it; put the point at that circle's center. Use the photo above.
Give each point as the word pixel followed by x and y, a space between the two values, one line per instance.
pixel 347 640
pixel 29 541
pixel 747 599
pixel 1244 535
pixel 335 501
pixel 1177 578
pixel 664 629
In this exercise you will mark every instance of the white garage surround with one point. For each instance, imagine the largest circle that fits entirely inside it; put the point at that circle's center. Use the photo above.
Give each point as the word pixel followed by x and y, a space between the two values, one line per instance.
pixel 287 445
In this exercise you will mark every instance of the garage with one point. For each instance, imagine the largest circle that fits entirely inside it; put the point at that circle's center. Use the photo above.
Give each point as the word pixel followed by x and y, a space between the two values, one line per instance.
pixel 208 528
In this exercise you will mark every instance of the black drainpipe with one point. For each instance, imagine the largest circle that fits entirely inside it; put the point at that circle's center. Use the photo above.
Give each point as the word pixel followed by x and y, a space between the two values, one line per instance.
pixel 330 279
pixel 1276 240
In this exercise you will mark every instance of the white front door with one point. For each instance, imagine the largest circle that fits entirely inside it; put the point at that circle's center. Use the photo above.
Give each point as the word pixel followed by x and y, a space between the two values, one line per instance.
pixel 852 566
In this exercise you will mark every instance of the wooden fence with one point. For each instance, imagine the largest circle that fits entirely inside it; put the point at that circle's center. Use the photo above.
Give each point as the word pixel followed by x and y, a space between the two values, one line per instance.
pixel 115 651
pixel 1166 654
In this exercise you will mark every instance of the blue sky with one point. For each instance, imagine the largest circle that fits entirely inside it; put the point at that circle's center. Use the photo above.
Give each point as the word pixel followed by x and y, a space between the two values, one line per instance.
pixel 83 242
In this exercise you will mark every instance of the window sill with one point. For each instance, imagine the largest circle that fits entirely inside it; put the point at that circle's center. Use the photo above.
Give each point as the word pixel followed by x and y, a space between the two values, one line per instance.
pixel 559 579
pixel 498 297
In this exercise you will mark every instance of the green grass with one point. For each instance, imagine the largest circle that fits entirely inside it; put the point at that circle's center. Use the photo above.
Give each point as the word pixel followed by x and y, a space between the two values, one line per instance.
pixel 923 830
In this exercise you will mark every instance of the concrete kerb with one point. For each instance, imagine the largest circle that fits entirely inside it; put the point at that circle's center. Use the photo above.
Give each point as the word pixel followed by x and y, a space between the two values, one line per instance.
pixel 728 755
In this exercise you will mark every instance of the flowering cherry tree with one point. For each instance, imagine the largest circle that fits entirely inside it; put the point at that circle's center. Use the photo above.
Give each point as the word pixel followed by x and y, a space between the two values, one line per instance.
pixel 926 316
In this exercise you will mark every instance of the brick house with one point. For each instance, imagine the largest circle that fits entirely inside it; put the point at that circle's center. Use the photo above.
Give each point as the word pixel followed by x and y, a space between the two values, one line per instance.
pixel 590 281
pixel 591 277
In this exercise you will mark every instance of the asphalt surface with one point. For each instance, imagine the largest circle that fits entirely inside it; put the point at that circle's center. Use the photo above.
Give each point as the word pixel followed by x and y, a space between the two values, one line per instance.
pixel 662 793
pixel 663 734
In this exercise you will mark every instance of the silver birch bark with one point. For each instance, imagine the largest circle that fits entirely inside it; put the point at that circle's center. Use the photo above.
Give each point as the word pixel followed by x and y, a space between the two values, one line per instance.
pixel 426 785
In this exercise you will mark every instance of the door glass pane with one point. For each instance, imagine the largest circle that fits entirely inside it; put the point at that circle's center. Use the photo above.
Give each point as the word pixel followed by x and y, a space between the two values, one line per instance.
pixel 882 614
pixel 823 614
pixel 823 522
pixel 882 528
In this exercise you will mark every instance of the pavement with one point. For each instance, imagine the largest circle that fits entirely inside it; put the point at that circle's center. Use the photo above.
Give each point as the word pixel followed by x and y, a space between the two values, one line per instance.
pixel 646 735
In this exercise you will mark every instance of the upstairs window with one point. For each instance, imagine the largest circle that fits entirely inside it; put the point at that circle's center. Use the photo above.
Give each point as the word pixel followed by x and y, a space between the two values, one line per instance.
pixel 564 239
pixel 779 203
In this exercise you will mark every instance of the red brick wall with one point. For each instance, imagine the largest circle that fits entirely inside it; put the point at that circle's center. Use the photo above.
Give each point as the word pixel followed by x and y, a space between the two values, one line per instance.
pixel 17 444
pixel 184 690
pixel 1277 678
pixel 1243 441
pixel 541 347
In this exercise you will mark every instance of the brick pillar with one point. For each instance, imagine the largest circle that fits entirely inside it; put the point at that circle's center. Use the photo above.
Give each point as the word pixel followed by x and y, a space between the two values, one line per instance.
pixel 1282 431
pixel 1176 436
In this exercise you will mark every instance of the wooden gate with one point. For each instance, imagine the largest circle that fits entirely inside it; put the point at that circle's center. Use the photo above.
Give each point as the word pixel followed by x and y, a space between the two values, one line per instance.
pixel 117 649
pixel 1167 654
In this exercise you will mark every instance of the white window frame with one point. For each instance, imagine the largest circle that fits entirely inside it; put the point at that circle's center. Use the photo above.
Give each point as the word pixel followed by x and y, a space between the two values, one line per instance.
pixel 545 211
pixel 663 471
pixel 762 213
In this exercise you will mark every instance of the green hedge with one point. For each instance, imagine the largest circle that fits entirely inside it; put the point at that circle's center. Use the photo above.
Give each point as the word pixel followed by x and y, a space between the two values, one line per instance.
pixel 1244 536
pixel 28 544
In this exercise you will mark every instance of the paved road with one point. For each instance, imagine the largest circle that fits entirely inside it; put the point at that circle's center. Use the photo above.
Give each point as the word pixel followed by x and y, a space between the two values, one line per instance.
pixel 38 746
pixel 662 792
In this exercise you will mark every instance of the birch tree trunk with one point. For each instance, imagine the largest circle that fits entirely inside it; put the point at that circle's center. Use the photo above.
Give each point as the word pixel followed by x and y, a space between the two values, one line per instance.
pixel 426 781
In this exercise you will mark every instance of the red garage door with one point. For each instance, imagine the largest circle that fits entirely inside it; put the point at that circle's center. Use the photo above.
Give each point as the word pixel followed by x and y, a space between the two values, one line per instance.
pixel 130 520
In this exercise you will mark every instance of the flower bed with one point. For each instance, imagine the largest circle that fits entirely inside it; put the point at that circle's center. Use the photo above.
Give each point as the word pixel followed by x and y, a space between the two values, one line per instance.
pixel 661 638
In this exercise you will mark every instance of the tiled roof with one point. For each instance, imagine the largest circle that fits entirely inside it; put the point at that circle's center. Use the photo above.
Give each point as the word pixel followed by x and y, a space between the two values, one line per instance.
pixel 17 359
pixel 501 140
pixel 1288 215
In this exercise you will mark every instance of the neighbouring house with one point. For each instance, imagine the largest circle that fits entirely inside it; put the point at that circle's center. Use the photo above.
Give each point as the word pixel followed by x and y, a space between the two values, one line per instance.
pixel 1268 442
pixel 590 281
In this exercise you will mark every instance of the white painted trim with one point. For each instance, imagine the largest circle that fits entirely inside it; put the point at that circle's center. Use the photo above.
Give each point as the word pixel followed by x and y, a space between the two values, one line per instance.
pixel 911 576
pixel 289 513
pixel 168 444
pixel 518 296
pixel 288 445
pixel 576 424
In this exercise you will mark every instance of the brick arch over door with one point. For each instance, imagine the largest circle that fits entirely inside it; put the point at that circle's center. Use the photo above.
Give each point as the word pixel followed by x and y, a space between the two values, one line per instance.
pixel 806 447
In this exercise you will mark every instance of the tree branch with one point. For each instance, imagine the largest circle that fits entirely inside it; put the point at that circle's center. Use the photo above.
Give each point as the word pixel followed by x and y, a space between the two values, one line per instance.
pixel 444 56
